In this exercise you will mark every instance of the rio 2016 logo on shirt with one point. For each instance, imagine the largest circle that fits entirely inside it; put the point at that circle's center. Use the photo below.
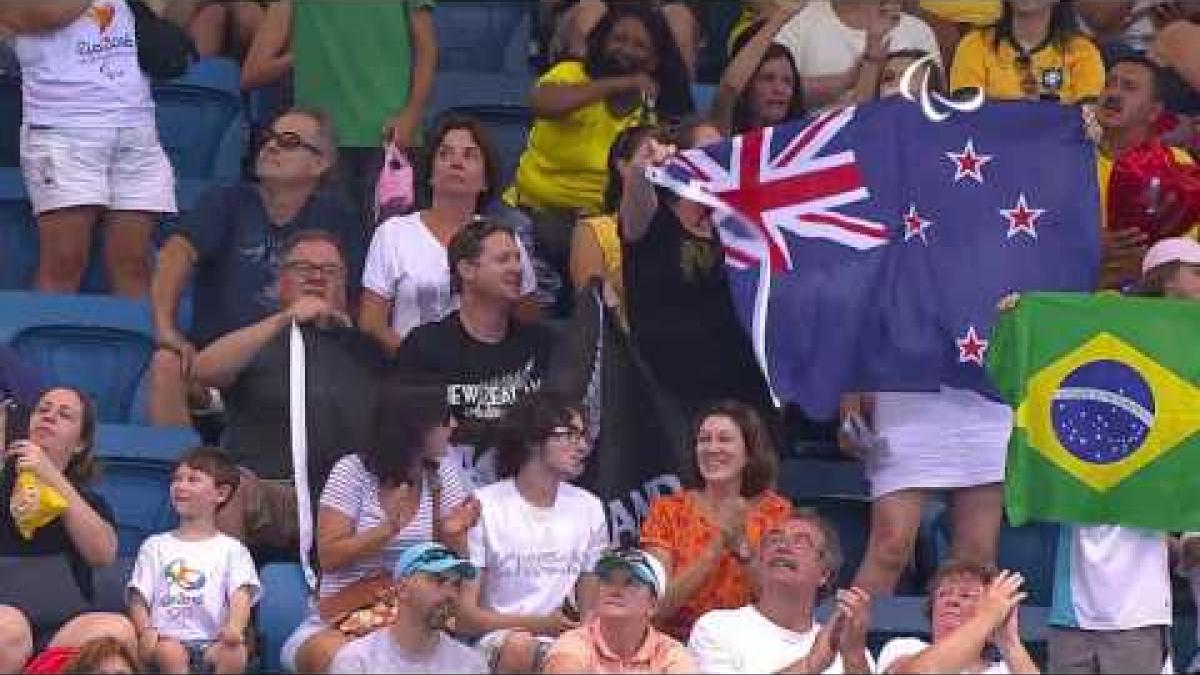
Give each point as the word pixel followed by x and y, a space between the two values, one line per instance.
pixel 183 577
pixel 102 16
pixel 935 106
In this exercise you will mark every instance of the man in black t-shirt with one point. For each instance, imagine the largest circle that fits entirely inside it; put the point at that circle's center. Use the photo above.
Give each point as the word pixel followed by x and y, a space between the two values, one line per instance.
pixel 487 359
pixel 252 368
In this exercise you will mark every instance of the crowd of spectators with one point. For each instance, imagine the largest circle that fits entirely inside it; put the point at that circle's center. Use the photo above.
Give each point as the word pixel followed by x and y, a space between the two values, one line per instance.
pixel 447 532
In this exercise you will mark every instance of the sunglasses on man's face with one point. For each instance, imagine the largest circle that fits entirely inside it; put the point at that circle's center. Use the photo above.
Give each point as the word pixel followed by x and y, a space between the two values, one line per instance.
pixel 288 140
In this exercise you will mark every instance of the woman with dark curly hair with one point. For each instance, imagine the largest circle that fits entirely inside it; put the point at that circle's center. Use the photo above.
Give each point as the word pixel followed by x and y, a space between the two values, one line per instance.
pixel 537 539
pixel 631 75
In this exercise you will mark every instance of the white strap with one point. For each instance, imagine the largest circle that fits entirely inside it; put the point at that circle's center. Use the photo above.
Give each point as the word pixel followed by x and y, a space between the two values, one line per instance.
pixel 297 386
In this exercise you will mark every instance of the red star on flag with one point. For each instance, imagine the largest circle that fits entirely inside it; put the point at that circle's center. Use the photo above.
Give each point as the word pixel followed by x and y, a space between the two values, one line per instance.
pixel 1022 219
pixel 968 164
pixel 915 225
pixel 971 347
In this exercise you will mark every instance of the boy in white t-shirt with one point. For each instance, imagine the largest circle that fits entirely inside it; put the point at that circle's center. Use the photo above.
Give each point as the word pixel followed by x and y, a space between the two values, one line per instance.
pixel 192 588
pixel 537 539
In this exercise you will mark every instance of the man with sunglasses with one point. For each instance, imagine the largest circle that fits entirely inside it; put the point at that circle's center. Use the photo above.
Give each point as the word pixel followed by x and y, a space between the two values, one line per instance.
pixel 620 638
pixel 796 564
pixel 252 368
pixel 229 246
pixel 428 580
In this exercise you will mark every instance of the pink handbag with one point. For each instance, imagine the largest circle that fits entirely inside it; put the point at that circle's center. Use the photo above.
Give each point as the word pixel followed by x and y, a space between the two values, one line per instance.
pixel 394 189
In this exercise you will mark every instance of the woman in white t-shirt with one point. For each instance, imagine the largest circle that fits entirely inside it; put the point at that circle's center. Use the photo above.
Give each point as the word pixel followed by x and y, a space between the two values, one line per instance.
pixel 378 502
pixel 406 279
pixel 970 607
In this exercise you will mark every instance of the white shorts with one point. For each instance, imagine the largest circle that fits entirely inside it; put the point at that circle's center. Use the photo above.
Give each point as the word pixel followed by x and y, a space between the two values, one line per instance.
pixel 122 169
pixel 311 625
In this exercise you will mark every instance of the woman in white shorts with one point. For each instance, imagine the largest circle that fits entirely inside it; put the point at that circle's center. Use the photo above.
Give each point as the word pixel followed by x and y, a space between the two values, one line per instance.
pixel 89 144
pixel 954 440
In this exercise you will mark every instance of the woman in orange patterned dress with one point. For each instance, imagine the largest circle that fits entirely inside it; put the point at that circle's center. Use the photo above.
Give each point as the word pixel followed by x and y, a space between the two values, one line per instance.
pixel 705 535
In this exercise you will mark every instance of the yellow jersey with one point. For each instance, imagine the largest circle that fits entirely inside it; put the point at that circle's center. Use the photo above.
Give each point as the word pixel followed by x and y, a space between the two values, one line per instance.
pixel 565 164
pixel 1073 72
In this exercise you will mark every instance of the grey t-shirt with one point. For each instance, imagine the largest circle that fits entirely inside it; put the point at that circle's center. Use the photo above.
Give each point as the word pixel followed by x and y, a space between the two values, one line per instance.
pixel 379 653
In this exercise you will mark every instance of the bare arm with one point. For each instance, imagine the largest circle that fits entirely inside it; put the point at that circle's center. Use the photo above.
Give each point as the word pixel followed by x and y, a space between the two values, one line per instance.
pixel 339 546
pixel 473 619
pixel 425 58
pixel 639 201
pixel 555 101
pixel 823 90
pixel 25 16
pixel 685 584
pixel 1105 17
pixel 373 312
pixel 176 260
pixel 952 653
pixel 1019 661
pixel 219 363
pixel 239 611
pixel 93 537
pixel 269 57
pixel 741 69
pixel 139 612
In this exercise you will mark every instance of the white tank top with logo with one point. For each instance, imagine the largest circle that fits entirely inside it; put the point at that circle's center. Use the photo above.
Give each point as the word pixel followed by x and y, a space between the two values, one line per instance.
pixel 86 75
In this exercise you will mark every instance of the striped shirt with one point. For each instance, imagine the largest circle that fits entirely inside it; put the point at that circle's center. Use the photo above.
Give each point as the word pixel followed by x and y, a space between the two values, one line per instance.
pixel 354 492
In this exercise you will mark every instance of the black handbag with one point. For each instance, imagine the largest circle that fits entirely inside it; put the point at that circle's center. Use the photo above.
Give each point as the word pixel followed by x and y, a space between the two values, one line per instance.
pixel 165 50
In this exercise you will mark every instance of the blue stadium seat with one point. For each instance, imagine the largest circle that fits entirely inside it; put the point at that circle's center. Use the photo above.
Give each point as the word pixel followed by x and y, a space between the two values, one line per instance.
pixel 101 345
pixel 483 37
pixel 156 444
pixel 200 121
pixel 18 233
pixel 457 89
pixel 138 490
pixel 508 126
pixel 110 584
pixel 10 123
pixel 804 479
pixel 703 95
pixel 283 606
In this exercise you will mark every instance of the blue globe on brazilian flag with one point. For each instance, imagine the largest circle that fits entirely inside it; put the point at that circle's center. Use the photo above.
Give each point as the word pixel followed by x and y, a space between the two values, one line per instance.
pixel 1106 391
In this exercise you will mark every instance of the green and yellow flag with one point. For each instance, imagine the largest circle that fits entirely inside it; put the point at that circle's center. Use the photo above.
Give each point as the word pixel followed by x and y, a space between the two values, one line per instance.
pixel 1106 391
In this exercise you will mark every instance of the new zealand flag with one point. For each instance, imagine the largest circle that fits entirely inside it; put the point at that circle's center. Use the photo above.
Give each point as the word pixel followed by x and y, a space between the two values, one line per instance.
pixel 868 247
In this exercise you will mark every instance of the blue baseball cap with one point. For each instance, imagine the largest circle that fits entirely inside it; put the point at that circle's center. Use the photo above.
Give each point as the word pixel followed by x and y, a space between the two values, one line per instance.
pixel 432 558
pixel 642 566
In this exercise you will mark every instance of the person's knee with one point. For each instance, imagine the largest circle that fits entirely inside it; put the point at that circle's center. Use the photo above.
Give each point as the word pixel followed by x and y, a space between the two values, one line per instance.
pixel 892 543
pixel 166 368
pixel 170 656
pixel 518 654
pixel 16 640
pixel 228 659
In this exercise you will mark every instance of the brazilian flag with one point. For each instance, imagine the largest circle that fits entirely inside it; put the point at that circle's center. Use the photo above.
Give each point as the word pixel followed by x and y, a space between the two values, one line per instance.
pixel 1106 391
